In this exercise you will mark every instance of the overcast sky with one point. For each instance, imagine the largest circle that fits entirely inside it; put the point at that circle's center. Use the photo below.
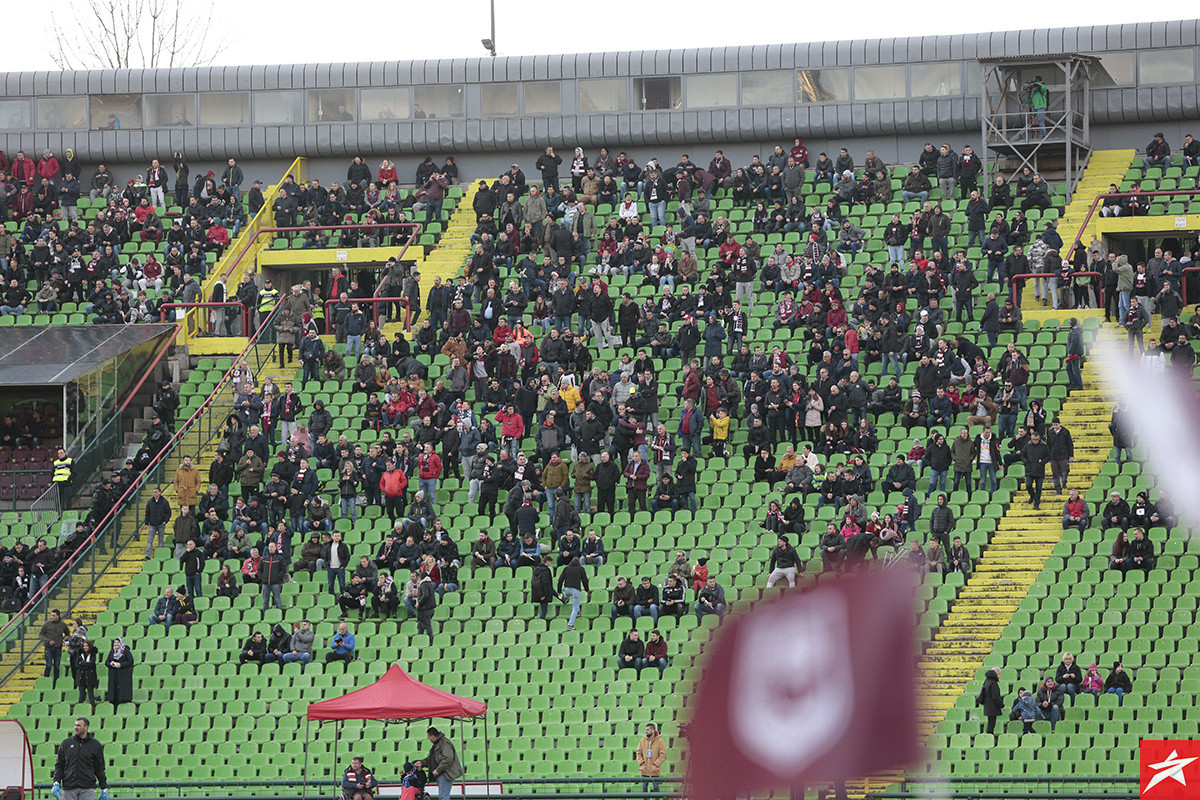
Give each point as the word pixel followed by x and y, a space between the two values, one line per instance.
pixel 306 31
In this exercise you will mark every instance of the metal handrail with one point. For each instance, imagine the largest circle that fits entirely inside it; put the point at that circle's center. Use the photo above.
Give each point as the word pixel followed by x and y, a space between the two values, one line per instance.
pixel 62 575
pixel 1027 275
pixel 1101 197
pixel 227 304
pixel 375 301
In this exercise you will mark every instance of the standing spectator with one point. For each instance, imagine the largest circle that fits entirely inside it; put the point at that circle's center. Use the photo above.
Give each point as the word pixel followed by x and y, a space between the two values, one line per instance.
pixel 193 559
pixel 53 634
pixel 272 574
pixel 990 698
pixel 541 586
pixel 573 583
pixel 651 755
pixel 1062 453
pixel 426 603
pixel 120 673
pixel 1035 456
pixel 443 762
pixel 335 557
pixel 158 514
pixel 79 766
pixel 429 466
pixel 637 474
pixel 84 669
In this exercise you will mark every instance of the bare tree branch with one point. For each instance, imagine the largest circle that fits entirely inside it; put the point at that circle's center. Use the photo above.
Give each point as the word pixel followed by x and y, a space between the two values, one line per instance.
pixel 130 34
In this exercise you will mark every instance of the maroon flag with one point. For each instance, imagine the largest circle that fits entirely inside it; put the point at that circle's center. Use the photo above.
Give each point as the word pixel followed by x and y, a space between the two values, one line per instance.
pixel 817 686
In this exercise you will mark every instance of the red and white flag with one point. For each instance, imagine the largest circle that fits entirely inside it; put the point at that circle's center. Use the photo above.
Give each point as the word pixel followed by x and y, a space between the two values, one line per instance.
pixel 817 686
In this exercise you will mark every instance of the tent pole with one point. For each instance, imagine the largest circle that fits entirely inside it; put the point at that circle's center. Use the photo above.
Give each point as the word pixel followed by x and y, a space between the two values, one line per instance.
pixel 307 728
pixel 487 759
pixel 336 738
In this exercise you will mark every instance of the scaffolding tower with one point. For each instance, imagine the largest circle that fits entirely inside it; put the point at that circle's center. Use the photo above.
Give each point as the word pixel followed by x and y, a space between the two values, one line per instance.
pixel 1055 138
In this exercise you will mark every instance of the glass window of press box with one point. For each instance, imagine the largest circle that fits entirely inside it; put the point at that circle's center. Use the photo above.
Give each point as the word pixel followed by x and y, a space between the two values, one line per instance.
pixel 824 85
pixel 170 110
pixel 1116 69
pixel 62 113
pixel 870 83
pixel 543 97
pixel 499 100
pixel 657 94
pixel 225 108
pixel 932 80
pixel 14 115
pixel 438 102
pixel 278 108
pixel 712 91
pixel 1177 65
pixel 115 111
pixel 603 95
pixel 331 105
pixel 768 88
pixel 382 105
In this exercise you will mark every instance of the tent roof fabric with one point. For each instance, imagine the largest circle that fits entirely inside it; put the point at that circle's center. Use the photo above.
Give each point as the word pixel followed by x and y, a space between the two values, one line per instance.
pixel 397 695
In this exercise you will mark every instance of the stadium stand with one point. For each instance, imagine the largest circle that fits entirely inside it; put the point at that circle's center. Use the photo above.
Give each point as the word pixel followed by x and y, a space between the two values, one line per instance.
pixel 1026 591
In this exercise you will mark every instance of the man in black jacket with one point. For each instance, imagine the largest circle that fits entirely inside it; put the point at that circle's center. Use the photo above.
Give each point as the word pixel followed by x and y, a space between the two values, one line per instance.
pixel 547 164
pixel 158 514
pixel 541 586
pixel 606 478
pixel 1035 456
pixel 79 767
pixel 685 481
pixel 784 563
pixel 426 603
pixel 1062 453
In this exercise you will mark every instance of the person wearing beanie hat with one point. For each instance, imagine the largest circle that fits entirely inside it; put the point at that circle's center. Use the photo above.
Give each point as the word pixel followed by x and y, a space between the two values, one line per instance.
pixel 1093 684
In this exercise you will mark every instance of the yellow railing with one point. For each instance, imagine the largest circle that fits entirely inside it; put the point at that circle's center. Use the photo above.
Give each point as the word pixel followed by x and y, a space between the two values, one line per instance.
pixel 230 267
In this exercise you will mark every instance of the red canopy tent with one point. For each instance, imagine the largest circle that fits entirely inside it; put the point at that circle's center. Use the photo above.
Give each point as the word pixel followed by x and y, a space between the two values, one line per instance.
pixel 396 696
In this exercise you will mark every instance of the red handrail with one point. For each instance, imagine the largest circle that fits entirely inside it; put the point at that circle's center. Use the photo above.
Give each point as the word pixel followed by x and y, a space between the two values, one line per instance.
pixel 150 368
pixel 137 482
pixel 227 304
pixel 261 231
pixel 375 301
pixel 1101 197
pixel 1027 275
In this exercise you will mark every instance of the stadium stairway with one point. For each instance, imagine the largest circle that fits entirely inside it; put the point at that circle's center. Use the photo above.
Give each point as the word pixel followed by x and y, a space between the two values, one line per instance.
pixel 446 260
pixel 1105 167
pixel 131 558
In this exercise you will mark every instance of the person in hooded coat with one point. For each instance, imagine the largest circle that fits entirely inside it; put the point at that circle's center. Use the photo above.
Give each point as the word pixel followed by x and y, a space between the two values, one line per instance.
pixel 120 673
pixel 990 698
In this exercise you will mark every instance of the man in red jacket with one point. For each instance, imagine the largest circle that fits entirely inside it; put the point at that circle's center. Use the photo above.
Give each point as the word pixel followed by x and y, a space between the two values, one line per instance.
pixel 393 484
pixel 512 429
pixel 48 167
pixel 637 473
pixel 23 169
pixel 429 469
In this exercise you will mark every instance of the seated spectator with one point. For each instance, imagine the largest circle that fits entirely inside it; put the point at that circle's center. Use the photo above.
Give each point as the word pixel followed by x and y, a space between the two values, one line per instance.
pixel 1119 683
pixel 1050 702
pixel 353 597
pixel 1118 557
pixel 711 600
pixel 508 552
pixel 187 614
pixel 254 650
pixel 622 599
pixel 165 609
pixel 1025 709
pixel 483 552
pixel 656 652
pixel 593 549
pixel 277 645
pixel 783 563
pixel 1141 552
pixel 632 653
pixel 227 583
pixel 673 602
pixel 935 557
pixel 386 596
pixel 1075 512
pixel 342 646
pixel 1068 675
pixel 1092 684
pixel 833 546
pixel 1115 513
pixel 958 559
pixel 358 782
pixel 645 601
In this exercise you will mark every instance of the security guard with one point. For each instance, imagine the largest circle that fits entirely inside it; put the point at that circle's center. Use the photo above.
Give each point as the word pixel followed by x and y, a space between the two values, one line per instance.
pixel 267 299
pixel 80 766
pixel 62 468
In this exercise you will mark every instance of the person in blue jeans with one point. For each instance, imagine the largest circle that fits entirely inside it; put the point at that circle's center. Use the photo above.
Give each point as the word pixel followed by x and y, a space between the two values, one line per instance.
pixel 444 766
pixel 1118 683
pixel 164 610
pixel 572 583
